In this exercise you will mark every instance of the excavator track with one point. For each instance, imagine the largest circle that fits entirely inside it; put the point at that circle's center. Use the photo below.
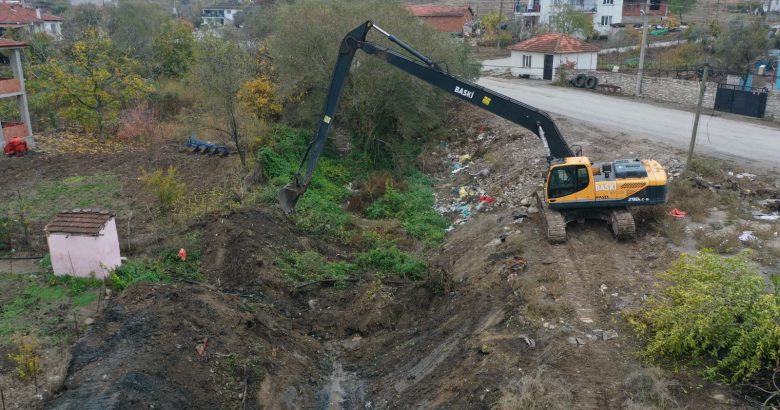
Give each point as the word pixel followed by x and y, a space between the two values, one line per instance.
pixel 554 223
pixel 622 223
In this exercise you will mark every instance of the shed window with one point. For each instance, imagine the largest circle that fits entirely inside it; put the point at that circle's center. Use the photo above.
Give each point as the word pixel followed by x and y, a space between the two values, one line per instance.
pixel 606 20
pixel 526 61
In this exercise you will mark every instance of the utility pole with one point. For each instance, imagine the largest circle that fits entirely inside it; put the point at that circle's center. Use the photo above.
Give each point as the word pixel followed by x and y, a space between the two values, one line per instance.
pixel 696 118
pixel 638 90
pixel 500 17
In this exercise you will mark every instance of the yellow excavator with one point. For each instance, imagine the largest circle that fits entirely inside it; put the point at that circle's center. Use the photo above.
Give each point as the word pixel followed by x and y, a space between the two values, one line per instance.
pixel 576 188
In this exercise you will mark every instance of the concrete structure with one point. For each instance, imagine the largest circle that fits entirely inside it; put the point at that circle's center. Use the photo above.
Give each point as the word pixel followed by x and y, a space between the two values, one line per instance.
pixel 83 243
pixel 14 88
pixel 541 56
pixel 15 16
pixel 446 19
pixel 219 15
pixel 632 10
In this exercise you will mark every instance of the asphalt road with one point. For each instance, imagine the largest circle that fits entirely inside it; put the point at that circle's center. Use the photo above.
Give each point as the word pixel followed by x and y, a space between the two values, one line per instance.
pixel 734 139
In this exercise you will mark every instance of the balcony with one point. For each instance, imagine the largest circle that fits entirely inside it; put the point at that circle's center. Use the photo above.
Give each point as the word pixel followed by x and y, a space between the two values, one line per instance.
pixel 10 86
pixel 14 129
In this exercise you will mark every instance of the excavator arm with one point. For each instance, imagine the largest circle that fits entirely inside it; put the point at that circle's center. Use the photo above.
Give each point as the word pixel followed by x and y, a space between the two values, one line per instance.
pixel 425 69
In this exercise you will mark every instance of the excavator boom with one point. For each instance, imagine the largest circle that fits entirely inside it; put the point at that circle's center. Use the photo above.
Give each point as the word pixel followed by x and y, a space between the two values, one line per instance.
pixel 425 69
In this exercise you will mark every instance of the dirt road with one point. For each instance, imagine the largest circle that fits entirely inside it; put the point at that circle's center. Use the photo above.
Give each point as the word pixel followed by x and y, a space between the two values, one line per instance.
pixel 722 137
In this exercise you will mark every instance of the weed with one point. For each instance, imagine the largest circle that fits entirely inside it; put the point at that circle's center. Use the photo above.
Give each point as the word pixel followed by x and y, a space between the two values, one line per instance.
pixel 388 261
pixel 645 389
pixel 311 266
pixel 539 390
pixel 81 191
pixel 720 242
pixel 166 267
pixel 673 229
pixel 707 167
pixel 84 299
pixel 164 185
pixel 697 202
pixel 26 358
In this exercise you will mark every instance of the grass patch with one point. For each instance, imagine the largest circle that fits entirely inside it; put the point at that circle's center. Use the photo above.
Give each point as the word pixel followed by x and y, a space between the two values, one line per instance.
pixel 696 201
pixel 311 266
pixel 41 303
pixel 719 242
pixel 81 191
pixel 165 268
pixel 414 207
pixel 384 262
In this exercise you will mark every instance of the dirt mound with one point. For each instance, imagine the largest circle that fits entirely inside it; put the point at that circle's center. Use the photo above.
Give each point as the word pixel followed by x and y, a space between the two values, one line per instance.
pixel 146 353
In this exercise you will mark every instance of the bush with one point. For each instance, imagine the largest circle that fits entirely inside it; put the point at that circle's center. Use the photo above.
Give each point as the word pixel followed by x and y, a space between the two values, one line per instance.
pixel 26 358
pixel 166 267
pixel 717 313
pixel 539 390
pixel 164 185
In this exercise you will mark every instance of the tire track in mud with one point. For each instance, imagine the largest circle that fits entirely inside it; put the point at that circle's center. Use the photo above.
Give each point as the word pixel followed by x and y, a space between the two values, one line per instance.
pixel 591 257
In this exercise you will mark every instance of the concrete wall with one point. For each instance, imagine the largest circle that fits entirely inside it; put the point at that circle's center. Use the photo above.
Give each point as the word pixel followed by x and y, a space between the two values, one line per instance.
pixel 685 92
pixel 84 256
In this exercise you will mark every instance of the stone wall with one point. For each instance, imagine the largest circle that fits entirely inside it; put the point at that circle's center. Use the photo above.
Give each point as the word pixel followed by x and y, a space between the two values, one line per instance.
pixel 685 92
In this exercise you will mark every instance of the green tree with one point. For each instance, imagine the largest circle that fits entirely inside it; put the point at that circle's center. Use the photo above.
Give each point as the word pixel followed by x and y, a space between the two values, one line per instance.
pixel 174 49
pixel 680 7
pixel 221 69
pixel 133 25
pixel 566 19
pixel 384 108
pixel 92 83
pixel 741 42
pixel 80 20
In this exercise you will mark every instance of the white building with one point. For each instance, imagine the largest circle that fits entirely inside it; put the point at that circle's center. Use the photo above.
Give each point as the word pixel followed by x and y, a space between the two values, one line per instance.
pixel 14 16
pixel 219 15
pixel 539 57
pixel 83 243
pixel 604 12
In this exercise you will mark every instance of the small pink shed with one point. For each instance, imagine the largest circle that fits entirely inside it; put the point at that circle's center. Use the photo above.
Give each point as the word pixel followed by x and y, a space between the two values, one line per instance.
pixel 83 242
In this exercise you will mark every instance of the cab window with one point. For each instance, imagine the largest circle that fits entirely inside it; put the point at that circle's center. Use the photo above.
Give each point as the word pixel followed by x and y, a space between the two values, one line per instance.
pixel 568 180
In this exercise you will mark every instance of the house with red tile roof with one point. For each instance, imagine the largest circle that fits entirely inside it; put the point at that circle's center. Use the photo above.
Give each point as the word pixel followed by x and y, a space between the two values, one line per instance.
pixel 16 16
pixel 541 56
pixel 446 19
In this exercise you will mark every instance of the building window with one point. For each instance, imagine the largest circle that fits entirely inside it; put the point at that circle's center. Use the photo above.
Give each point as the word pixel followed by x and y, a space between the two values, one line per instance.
pixel 606 20
pixel 526 61
pixel 608 2
pixel 655 5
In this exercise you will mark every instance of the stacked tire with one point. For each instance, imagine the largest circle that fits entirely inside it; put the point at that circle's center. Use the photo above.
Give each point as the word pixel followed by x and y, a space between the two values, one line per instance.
pixel 584 81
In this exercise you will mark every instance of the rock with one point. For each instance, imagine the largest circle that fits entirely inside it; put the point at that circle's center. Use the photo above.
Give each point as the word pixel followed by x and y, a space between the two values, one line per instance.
pixel 88 321
pixel 530 342
pixel 525 202
pixel 484 349
pixel 576 341
pixel 609 335
pixel 532 210
pixel 719 397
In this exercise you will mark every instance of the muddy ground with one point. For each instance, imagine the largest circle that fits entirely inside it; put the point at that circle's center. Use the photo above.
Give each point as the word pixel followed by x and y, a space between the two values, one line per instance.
pixel 501 308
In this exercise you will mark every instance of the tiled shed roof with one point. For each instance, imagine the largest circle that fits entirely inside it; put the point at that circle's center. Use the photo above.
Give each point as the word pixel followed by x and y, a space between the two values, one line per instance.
pixel 79 222
pixel 5 43
pixel 434 10
pixel 555 43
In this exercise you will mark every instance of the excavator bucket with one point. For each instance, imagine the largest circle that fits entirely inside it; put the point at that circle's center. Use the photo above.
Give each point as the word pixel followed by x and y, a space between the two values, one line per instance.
pixel 289 195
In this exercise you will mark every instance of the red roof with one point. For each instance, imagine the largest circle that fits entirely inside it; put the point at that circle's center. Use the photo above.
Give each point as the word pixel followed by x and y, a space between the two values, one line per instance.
pixel 555 43
pixel 79 222
pixel 12 13
pixel 435 10
pixel 5 43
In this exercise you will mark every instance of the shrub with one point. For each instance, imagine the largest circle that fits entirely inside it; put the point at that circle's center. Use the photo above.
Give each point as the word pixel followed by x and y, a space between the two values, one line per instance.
pixel 716 313
pixel 166 267
pixel 164 185
pixel 539 390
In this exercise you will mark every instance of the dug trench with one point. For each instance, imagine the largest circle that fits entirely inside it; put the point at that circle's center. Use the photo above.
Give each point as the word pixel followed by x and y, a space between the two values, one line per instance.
pixel 500 306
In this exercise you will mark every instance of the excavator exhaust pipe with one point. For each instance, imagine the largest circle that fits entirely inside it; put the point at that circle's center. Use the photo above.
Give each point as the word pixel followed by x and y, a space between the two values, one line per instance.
pixel 289 195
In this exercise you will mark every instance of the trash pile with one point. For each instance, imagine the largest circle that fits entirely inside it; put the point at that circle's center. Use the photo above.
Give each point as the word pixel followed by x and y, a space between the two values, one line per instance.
pixel 465 199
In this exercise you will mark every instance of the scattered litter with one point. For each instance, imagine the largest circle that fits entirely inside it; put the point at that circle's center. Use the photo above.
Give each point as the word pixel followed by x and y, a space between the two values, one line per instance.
pixel 464 158
pixel 766 217
pixel 201 348
pixel 487 199
pixel 745 175
pixel 450 228
pixel 183 254
pixel 577 341
pixel 676 213
pixel 530 342
pixel 586 320
pixel 603 288
pixel 747 236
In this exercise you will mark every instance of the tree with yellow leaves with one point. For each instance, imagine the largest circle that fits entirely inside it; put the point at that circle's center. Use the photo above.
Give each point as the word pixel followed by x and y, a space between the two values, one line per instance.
pixel 259 96
pixel 92 83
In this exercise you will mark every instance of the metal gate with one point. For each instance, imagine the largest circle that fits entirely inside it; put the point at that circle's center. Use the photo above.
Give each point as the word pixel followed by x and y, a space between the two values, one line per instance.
pixel 735 99
pixel 547 74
